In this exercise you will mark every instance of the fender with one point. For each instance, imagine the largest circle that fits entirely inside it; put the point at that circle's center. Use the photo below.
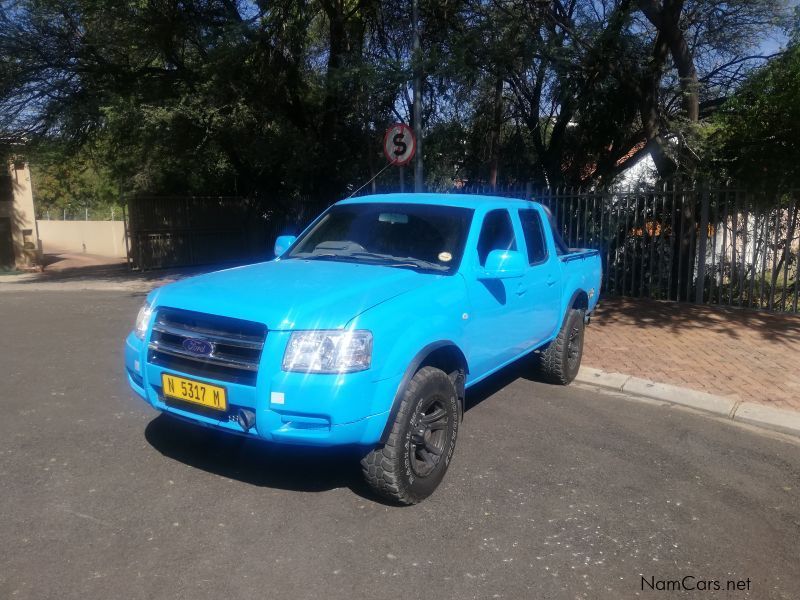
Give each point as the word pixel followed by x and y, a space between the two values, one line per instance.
pixel 575 295
pixel 411 369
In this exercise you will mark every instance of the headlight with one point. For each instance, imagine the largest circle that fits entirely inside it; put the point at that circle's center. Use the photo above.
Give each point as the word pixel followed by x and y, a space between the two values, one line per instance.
pixel 143 320
pixel 328 351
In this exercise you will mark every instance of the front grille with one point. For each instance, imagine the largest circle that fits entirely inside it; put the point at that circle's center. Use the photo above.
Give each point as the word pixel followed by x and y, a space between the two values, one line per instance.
pixel 235 345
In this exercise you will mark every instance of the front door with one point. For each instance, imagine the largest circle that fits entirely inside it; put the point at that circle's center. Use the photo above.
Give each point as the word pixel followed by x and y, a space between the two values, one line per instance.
pixel 6 244
pixel 495 330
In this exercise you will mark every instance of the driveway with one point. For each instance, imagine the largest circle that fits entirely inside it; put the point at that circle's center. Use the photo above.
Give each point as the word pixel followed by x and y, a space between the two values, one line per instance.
pixel 553 492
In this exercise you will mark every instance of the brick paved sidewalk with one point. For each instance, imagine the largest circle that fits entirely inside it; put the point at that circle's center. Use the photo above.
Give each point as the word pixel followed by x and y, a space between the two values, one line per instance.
pixel 730 352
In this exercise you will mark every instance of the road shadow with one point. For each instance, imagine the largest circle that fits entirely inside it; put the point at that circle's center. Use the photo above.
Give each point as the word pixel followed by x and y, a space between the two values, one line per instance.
pixel 523 368
pixel 256 462
pixel 294 468
pixel 55 269
pixel 675 317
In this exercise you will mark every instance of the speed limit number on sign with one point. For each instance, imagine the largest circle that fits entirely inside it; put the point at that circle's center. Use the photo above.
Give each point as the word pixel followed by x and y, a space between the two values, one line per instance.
pixel 399 144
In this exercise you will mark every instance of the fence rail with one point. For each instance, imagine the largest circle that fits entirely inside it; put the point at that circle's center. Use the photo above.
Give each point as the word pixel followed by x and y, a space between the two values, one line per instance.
pixel 114 213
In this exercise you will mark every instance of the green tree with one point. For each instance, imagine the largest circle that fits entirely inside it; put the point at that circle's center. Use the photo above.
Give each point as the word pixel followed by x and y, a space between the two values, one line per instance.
pixel 755 137
pixel 288 99
pixel 73 184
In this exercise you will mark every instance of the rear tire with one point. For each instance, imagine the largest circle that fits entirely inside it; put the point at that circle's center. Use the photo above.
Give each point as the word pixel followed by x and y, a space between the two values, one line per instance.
pixel 412 463
pixel 560 361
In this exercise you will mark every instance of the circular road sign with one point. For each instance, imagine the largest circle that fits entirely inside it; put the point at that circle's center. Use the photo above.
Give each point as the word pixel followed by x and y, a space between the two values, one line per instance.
pixel 399 144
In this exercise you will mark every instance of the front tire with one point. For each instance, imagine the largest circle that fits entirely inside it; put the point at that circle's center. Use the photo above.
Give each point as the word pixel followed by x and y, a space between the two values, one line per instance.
pixel 560 361
pixel 412 463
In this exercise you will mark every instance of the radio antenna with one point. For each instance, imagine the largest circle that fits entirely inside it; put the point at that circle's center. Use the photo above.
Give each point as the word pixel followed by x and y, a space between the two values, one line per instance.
pixel 374 177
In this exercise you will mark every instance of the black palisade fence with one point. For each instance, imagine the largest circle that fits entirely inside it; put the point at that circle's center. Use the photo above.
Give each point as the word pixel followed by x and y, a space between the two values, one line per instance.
pixel 698 243
pixel 176 231
pixel 695 243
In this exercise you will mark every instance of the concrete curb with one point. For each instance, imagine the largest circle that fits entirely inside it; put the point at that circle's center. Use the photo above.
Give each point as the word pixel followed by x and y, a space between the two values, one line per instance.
pixel 786 421
pixel 730 407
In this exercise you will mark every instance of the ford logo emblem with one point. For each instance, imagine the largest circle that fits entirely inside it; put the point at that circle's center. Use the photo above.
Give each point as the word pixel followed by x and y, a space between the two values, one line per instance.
pixel 199 347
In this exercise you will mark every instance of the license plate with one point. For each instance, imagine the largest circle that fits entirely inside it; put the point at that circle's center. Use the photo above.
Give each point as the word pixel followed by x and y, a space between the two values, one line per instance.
pixel 196 392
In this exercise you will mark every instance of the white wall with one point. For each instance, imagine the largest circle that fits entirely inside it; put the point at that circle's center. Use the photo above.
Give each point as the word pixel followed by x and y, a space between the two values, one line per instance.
pixel 104 238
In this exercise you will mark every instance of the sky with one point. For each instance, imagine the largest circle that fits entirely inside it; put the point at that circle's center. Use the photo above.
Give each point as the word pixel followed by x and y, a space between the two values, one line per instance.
pixel 778 41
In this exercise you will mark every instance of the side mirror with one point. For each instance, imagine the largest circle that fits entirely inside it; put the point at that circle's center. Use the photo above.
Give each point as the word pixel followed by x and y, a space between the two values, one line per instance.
pixel 503 264
pixel 282 243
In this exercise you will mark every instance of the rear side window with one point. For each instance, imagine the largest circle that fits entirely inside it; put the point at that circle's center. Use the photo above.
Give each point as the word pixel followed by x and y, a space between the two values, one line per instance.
pixel 561 246
pixel 497 233
pixel 534 235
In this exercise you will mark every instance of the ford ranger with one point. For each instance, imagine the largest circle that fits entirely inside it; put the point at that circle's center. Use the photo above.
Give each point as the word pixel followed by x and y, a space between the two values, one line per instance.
pixel 367 329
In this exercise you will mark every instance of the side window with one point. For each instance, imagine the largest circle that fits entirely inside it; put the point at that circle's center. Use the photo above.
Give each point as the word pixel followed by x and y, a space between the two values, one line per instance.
pixel 534 235
pixel 561 246
pixel 497 233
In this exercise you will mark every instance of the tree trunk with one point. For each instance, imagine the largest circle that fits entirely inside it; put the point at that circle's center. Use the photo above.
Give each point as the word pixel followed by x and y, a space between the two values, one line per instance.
pixel 651 124
pixel 666 19
pixel 346 37
pixel 776 272
pixel 494 143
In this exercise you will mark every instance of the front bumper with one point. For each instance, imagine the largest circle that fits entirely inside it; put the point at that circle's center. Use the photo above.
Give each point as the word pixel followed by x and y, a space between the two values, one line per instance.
pixel 290 408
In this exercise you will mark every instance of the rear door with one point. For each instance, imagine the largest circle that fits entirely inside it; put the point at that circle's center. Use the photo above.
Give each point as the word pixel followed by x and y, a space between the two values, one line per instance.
pixel 541 285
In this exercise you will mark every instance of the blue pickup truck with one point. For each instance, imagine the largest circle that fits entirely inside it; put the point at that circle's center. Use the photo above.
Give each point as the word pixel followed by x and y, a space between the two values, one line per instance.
pixel 367 328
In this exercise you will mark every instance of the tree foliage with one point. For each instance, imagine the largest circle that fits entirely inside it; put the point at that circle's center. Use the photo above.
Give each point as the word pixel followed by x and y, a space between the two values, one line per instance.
pixel 289 98
pixel 755 138
pixel 65 183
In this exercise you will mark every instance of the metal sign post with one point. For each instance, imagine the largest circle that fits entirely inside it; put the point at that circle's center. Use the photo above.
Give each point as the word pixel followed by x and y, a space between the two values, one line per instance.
pixel 416 59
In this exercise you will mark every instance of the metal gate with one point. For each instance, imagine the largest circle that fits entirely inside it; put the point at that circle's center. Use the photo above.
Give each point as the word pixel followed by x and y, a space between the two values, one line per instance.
pixel 180 231
pixel 202 230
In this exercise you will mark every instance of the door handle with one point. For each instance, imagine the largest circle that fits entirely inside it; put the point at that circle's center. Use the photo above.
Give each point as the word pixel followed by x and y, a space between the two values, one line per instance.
pixel 521 290
pixel 551 281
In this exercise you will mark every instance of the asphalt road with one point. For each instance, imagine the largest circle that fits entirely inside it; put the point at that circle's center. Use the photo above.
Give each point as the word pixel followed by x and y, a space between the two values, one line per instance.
pixel 553 492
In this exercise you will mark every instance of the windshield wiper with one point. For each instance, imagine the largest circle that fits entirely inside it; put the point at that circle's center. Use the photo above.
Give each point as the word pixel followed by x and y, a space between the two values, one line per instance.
pixel 377 255
pixel 320 256
pixel 425 263
pixel 400 260
pixel 391 261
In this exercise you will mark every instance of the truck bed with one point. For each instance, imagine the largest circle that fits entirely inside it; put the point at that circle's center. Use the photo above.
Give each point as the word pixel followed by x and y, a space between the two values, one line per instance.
pixel 582 269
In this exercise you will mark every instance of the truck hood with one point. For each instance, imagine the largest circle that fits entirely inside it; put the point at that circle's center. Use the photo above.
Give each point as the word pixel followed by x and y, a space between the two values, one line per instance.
pixel 292 294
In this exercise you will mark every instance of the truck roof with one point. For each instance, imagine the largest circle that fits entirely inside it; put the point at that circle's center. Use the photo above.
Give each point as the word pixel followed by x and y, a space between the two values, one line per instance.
pixel 461 200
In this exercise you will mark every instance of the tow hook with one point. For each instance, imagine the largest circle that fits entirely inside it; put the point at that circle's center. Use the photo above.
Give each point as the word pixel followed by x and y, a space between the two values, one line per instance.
pixel 245 418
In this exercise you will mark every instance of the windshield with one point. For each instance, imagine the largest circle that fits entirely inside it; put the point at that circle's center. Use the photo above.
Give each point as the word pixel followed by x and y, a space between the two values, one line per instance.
pixel 414 236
